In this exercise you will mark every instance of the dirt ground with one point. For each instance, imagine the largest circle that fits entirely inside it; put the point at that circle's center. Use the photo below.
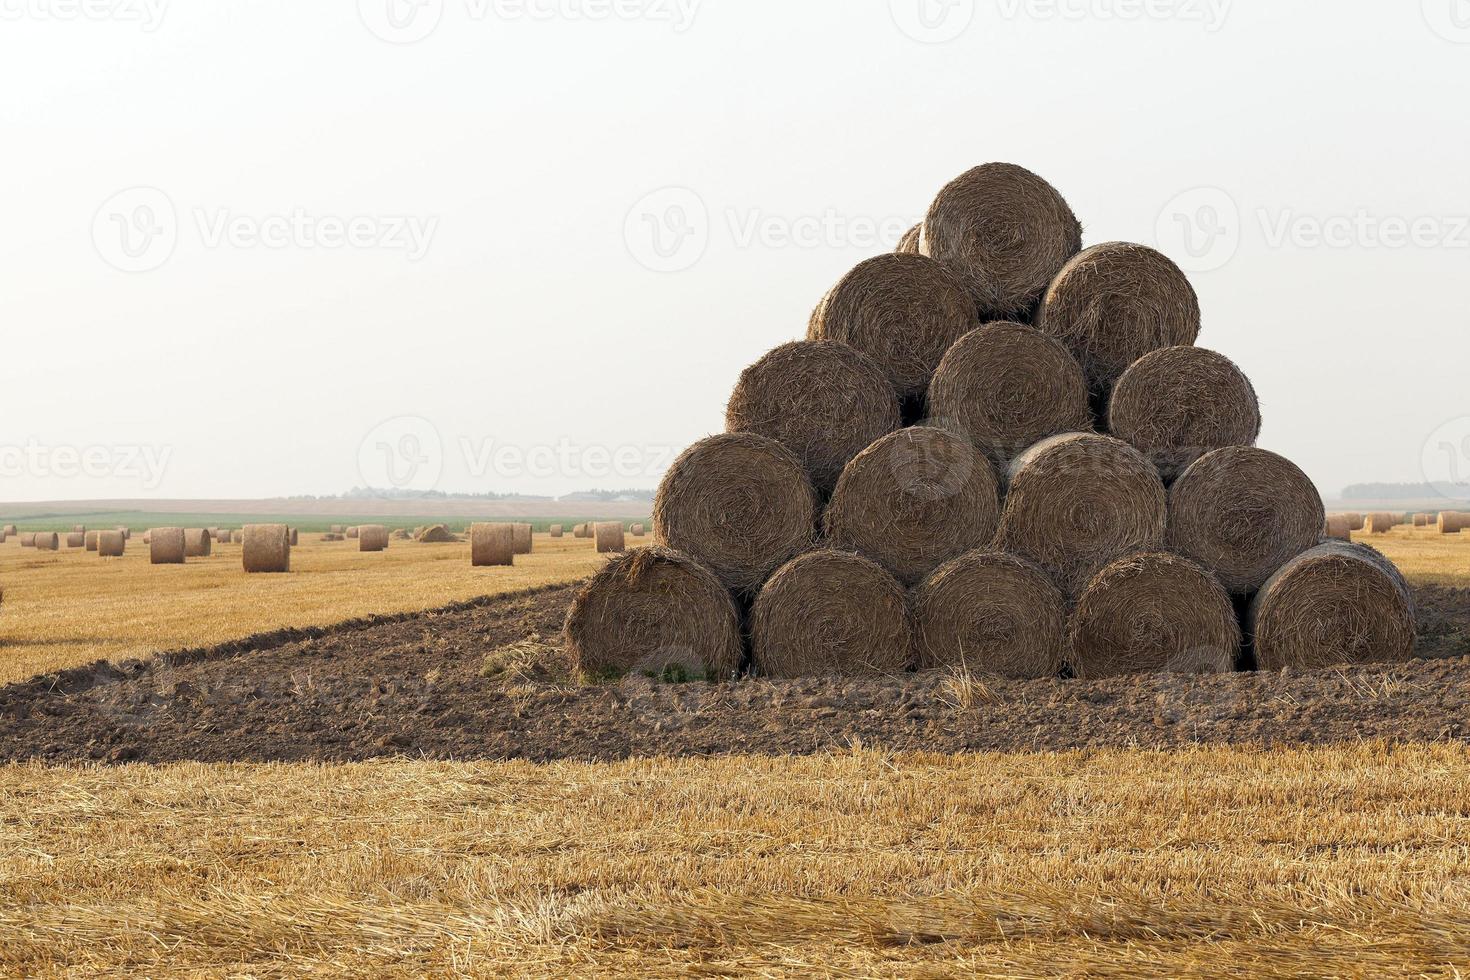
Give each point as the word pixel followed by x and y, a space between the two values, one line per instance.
pixel 416 685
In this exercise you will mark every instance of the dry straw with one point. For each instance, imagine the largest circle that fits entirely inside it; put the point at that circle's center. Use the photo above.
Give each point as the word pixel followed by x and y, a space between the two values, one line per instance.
pixel 267 548
pixel 76 539
pixel 1339 528
pixel 1381 523
pixel 166 546
pixel 79 529
pixel 1153 612
pixel 295 537
pixel 555 530
pixel 1333 604
pixel 739 504
pixel 1452 522
pixel 126 531
pixel 1355 521
pixel 372 537
pixel 1421 520
pixel 434 534
pixel 523 538
pixel 831 612
pixel 492 544
pixel 903 311
pixel 10 529
pixel 654 610
pixel 1116 302
pixel 609 536
pixel 993 613
pixel 1176 404
pixel 90 540
pixel 239 536
pixel 1005 232
pixel 821 399
pixel 28 539
pixel 352 532
pixel 1006 386
pixel 637 530
pixel 111 544
pixel 908 244
pixel 579 531
pixel 913 500
pixel 1243 513
pixel 337 529
pixel 1077 502
pixel 196 542
pixel 47 541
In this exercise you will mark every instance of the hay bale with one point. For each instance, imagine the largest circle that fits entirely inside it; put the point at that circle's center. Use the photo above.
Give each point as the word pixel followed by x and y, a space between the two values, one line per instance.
pixel 352 533
pixel 295 537
pixel 196 542
pixel 1449 522
pixel 902 311
pixel 1077 502
pixel 372 537
pixel 76 539
pixel 89 541
pixel 239 536
pixel 821 399
pixel 337 529
pixel 579 530
pixel 147 537
pixel 1153 612
pixel 554 530
pixel 1006 233
pixel 79 529
pixel 1176 404
pixel 492 544
pixel 1421 520
pixel 993 613
pixel 166 546
pixel 523 538
pixel 831 612
pixel 28 539
pixel 637 530
pixel 654 611
pixel 1116 302
pixel 11 529
pixel 267 548
pixel 329 536
pixel 739 504
pixel 609 536
pixel 111 544
pixel 913 500
pixel 1338 528
pixel 908 244
pixel 1007 386
pixel 127 532
pixel 435 534
pixel 1381 523
pixel 1244 512
pixel 1337 603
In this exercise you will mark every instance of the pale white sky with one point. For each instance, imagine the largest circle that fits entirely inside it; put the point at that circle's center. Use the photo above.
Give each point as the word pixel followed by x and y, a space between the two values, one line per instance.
pixel 273 247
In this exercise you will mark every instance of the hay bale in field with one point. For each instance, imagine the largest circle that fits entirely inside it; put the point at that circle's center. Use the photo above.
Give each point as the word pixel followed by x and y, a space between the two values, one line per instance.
pixel 1379 523
pixel 579 530
pixel 352 533
pixel 1077 502
pixel 1006 233
pixel 1176 404
pixel 111 544
pixel 913 500
pixel 492 544
pixel 1355 521
pixel 609 536
pixel 908 243
pixel 239 536
pixel 523 538
pixel 147 537
pixel 127 532
pixel 1451 521
pixel 1153 612
pixel 637 530
pixel 1338 528
pixel 739 504
pixel 555 530
pixel 337 529
pixel 11 529
pixel 1116 302
pixel 267 548
pixel 1337 603
pixel 295 536
pixel 89 540
pixel 28 539
pixel 1006 386
pixel 196 542
pixel 655 611
pixel 821 399
pixel 990 612
pixel 1244 512
pixel 329 536
pixel 372 537
pixel 902 311
pixel 79 529
pixel 76 539
pixel 166 546
pixel 435 534
pixel 1421 520
pixel 831 612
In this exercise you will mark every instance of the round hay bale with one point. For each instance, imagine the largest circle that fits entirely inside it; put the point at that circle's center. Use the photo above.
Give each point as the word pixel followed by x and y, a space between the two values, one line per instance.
pixel 654 610
pixel 372 537
pixel 1005 232
pixel 401 534
pixel 329 536
pixel 11 529
pixel 352 533
pixel 295 537
pixel 90 540
pixel 523 538
pixel 831 612
pixel 903 311
pixel 76 539
pixel 267 548
pixel 1006 386
pixel 1338 528
pixel 1176 404
pixel 239 536
pixel 28 539
pixel 579 530
pixel 1337 603
pixel 147 537
pixel 1116 302
pixel 337 529
pixel 127 532
pixel 1153 612
pixel 821 399
pixel 637 530
pixel 913 500
pixel 555 530
pixel 1448 522
pixel 993 613
pixel 908 244
pixel 1077 502
pixel 1355 521
pixel 1244 512
pixel 196 542
pixel 166 546
pixel 111 544
pixel 609 536
pixel 739 504
pixel 492 544
pixel 435 534
pixel 1421 520
pixel 79 529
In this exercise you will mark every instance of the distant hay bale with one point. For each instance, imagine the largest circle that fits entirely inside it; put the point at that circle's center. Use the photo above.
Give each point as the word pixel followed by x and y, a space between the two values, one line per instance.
pixel 76 539
pixel 990 612
pixel 523 538
pixel 196 542
pixel 821 399
pixel 1006 386
pixel 352 533
pixel 830 613
pixel 555 530
pixel 1421 520
pixel 739 504
pixel 1153 612
pixel 329 536
pixel 913 500
pixel 1337 603
pixel 337 529
pixel 1338 528
pixel 239 536
pixel 1242 513
pixel 11 529
pixel 79 529
pixel 267 548
pixel 1077 502
pixel 127 532
pixel 1451 522
pixel 1381 523
pixel 166 546
pixel 147 537
pixel 908 244
pixel 609 535
pixel 111 544
pixel 372 537
pixel 295 536
pixel 1116 302
pixel 637 530
pixel 655 611
pixel 579 530
pixel 1176 404
pixel 1006 233
pixel 492 544
pixel 435 534
pixel 1355 521
pixel 90 540
pixel 902 311
pixel 401 534
pixel 28 539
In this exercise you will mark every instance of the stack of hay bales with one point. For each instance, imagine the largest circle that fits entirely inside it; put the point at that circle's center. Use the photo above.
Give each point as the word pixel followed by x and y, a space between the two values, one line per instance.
pixel 999 450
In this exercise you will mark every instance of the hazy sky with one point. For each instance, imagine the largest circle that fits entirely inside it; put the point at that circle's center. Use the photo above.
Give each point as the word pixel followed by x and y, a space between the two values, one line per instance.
pixel 271 247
